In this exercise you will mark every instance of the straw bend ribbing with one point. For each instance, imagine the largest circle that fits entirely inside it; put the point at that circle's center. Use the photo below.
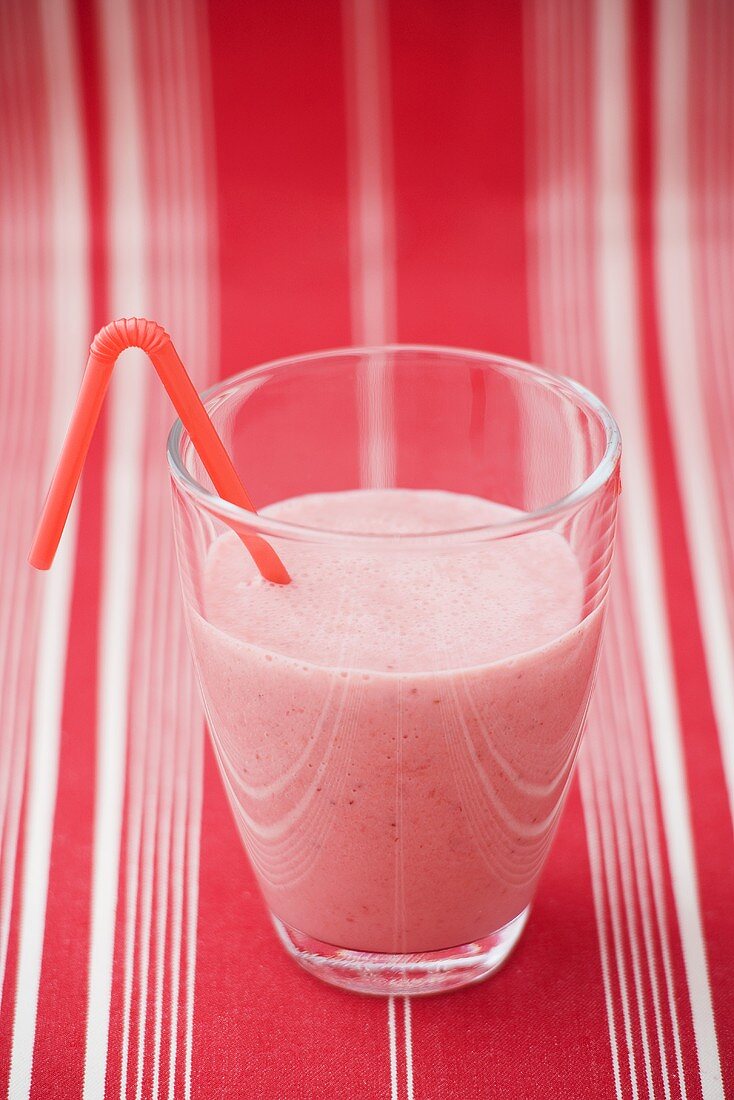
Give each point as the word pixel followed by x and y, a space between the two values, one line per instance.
pixel 128 332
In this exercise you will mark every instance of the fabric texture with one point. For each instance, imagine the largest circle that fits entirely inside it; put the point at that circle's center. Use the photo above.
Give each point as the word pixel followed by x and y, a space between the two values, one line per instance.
pixel 548 179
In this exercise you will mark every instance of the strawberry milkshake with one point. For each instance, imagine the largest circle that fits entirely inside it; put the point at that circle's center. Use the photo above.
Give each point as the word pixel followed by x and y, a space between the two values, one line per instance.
pixel 396 729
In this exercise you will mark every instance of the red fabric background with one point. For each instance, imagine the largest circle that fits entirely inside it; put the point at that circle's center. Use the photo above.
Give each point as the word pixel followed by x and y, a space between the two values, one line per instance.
pixel 550 180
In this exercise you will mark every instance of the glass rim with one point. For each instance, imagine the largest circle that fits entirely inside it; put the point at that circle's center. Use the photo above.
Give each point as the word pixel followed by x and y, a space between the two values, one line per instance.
pixel 278 528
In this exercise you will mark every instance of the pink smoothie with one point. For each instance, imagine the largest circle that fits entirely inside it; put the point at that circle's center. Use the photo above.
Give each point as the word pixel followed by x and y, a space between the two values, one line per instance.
pixel 396 731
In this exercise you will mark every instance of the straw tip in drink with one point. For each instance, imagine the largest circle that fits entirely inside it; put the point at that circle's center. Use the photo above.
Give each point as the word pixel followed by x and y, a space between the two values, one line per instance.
pixel 279 574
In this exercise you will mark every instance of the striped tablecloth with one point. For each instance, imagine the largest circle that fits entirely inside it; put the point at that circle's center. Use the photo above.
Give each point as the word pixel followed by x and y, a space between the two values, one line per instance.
pixel 551 180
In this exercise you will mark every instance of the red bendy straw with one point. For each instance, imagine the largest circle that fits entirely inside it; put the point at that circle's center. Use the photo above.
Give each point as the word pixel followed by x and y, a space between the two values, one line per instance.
pixel 135 332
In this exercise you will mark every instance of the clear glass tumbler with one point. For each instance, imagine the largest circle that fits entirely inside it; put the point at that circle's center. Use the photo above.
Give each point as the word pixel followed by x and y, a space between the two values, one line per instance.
pixel 397 728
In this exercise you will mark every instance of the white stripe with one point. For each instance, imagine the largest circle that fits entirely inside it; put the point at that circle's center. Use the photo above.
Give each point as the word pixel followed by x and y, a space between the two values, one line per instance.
pixel 597 890
pixel 178 857
pixel 371 237
pixel 408 1047
pixel 148 726
pixel 695 459
pixel 192 895
pixel 126 408
pixel 69 325
pixel 370 184
pixel 617 283
pixel 611 853
pixel 543 220
pixel 140 770
pixel 170 733
pixel 151 724
pixel 393 1044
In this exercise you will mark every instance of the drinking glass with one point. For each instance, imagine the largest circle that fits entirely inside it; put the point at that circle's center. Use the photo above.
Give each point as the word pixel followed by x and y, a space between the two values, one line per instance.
pixel 397 728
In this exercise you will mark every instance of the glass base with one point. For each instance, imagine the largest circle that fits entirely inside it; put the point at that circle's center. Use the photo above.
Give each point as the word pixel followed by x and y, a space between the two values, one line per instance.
pixel 387 974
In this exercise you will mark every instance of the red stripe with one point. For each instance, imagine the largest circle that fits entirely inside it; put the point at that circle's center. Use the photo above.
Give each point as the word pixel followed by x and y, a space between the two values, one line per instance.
pixel 458 119
pixel 280 131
